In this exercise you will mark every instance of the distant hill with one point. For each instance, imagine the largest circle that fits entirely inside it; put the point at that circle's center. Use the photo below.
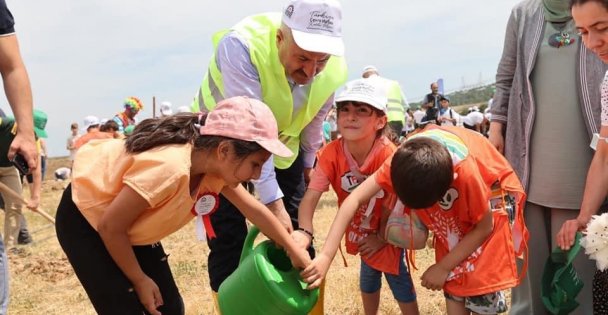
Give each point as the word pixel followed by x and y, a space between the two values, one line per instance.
pixel 461 100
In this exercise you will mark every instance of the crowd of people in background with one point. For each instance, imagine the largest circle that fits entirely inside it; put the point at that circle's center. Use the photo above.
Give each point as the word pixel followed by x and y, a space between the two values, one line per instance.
pixel 267 113
pixel 435 109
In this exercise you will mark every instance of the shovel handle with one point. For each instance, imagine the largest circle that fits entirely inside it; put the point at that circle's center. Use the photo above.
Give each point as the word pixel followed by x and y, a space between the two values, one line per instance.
pixel 8 190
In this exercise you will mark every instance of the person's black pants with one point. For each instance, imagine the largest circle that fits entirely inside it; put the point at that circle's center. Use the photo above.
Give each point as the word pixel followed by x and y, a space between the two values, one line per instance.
pixel 469 126
pixel 109 290
pixel 230 227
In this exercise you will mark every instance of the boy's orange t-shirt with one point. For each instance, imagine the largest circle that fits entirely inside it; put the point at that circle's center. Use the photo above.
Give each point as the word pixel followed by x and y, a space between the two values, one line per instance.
pixel 333 167
pixel 161 176
pixel 492 266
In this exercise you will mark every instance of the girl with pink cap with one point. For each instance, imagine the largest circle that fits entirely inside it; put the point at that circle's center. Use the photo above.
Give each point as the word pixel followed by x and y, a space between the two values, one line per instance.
pixel 126 195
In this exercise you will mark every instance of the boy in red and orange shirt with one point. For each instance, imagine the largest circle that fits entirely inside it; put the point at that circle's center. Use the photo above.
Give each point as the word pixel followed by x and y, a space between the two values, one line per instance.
pixel 467 194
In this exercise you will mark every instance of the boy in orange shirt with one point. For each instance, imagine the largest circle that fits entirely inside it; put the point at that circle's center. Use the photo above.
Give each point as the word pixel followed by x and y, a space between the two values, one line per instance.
pixel 466 193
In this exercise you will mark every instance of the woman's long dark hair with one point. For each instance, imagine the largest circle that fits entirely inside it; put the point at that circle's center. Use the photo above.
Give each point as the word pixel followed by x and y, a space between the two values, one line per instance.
pixel 181 129
pixel 581 2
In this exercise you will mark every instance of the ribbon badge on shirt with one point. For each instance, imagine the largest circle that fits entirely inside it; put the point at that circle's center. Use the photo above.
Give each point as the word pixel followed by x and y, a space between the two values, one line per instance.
pixel 202 209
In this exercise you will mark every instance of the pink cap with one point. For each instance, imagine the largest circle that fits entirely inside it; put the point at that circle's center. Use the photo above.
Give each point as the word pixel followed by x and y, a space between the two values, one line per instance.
pixel 246 119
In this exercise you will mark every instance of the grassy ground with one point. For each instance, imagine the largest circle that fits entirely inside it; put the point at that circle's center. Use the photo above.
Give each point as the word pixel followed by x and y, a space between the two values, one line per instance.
pixel 42 281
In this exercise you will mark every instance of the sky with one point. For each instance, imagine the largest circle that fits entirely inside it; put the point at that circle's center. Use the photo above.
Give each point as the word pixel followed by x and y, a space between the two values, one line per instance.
pixel 85 57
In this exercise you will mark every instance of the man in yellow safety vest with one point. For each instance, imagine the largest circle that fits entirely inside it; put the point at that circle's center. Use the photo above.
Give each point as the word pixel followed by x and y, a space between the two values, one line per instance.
pixel 292 62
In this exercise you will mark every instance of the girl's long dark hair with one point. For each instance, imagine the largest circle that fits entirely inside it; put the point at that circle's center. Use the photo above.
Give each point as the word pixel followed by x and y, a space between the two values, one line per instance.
pixel 181 129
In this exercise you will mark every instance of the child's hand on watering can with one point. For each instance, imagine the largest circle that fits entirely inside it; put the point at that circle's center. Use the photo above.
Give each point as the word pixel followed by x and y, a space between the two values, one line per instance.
pixel 316 271
pixel 299 258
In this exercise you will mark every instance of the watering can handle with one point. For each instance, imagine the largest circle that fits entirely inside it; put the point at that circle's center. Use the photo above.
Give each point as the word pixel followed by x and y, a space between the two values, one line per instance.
pixel 248 245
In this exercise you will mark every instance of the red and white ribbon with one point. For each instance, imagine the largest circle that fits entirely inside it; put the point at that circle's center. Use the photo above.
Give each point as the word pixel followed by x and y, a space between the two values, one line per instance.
pixel 202 209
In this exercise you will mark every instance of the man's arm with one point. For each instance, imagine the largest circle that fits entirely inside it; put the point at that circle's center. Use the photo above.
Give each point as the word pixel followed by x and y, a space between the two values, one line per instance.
pixel 19 94
pixel 312 137
pixel 241 78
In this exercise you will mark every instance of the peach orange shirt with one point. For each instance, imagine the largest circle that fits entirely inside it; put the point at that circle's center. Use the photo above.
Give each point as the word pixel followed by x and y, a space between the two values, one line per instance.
pixel 161 176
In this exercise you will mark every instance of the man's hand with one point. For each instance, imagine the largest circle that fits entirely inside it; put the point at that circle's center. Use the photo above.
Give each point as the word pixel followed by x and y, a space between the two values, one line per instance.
pixel 26 145
pixel 302 239
pixel 278 209
pixel 33 203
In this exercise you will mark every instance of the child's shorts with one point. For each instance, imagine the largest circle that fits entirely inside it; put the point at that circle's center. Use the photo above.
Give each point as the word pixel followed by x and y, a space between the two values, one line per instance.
pixel 491 303
pixel 370 281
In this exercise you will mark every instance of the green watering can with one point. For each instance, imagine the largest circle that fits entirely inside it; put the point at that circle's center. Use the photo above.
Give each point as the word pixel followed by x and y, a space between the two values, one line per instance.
pixel 265 283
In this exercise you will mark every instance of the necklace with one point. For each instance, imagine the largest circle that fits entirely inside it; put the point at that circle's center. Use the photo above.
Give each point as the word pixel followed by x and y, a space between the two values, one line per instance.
pixel 561 38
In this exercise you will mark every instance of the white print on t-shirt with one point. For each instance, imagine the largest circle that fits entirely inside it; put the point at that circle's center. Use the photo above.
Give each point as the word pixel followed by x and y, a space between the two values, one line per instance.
pixel 367 215
pixel 447 201
pixel 349 181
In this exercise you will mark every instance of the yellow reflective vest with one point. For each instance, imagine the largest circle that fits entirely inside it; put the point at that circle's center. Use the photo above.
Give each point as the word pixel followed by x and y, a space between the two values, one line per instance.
pixel 260 33
pixel 394 107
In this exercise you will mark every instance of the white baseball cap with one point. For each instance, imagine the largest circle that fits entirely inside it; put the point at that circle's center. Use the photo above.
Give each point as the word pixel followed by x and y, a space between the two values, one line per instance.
pixel 166 109
pixel 316 25
pixel 184 109
pixel 370 68
pixel 371 91
pixel 90 121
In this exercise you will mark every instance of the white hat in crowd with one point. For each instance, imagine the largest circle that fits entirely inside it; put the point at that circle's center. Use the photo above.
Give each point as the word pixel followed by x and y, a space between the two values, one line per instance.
pixel 316 25
pixel 166 109
pixel 90 121
pixel 370 91
pixel 184 109
pixel 370 68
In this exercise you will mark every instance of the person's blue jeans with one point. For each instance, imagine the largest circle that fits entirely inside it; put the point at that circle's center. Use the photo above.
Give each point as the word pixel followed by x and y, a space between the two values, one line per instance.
pixel 3 279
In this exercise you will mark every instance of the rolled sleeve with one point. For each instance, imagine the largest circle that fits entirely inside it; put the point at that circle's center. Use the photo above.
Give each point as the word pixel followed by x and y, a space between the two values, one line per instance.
pixel 267 185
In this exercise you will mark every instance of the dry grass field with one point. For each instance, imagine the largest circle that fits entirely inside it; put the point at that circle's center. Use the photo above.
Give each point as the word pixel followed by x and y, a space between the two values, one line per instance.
pixel 42 281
